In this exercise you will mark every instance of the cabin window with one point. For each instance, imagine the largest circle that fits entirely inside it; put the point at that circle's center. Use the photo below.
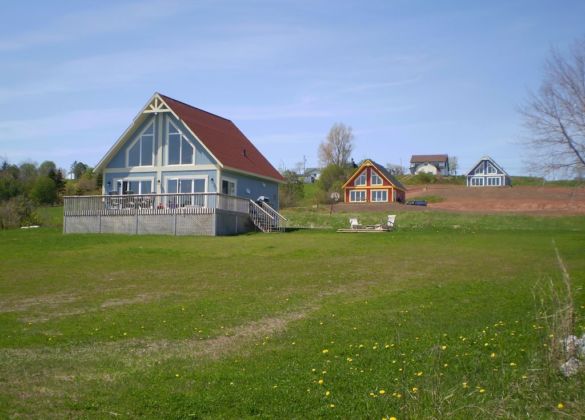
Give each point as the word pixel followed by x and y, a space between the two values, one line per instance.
pixel 361 179
pixel 493 181
pixel 127 186
pixel 477 182
pixel 357 196
pixel 141 151
pixel 380 196
pixel 180 150
pixel 186 186
pixel 228 187
pixel 491 169
pixel 376 179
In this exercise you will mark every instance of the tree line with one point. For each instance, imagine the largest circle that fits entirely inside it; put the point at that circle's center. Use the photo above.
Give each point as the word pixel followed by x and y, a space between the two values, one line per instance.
pixel 26 186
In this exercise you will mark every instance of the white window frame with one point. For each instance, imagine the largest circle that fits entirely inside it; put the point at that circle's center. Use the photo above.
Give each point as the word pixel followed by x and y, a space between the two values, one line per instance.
pixel 172 177
pixel 182 136
pixel 375 174
pixel 230 180
pixel 494 181
pixel 477 181
pixel 490 169
pixel 137 139
pixel 365 178
pixel 115 182
pixel 365 196
pixel 378 191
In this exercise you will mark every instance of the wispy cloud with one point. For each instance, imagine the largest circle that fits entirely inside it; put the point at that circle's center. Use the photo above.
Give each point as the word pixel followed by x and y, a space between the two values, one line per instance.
pixel 79 25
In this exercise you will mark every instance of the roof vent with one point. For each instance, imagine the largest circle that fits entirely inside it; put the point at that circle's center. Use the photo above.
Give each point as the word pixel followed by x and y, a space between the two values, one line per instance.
pixel 244 153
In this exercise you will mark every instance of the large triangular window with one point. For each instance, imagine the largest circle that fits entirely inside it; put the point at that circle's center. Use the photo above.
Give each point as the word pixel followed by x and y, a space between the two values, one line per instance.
pixel 141 151
pixel 361 179
pixel 180 150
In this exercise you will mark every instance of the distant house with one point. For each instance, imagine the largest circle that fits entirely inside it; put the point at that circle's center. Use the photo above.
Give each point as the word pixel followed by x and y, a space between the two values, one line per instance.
pixel 487 173
pixel 430 164
pixel 311 175
pixel 182 170
pixel 372 183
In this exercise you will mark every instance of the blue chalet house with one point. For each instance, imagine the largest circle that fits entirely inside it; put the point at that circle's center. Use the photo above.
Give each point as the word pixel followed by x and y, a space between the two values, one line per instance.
pixel 487 173
pixel 180 170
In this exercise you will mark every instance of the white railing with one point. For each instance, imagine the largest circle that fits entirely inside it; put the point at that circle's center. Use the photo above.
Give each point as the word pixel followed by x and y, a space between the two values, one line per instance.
pixel 266 218
pixel 197 203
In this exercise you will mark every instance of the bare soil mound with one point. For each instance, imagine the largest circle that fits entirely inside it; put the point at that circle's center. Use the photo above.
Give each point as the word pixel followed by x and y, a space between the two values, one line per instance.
pixel 533 200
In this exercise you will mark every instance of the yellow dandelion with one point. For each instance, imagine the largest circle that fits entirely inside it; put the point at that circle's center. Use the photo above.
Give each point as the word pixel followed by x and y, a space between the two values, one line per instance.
pixel 443 347
pixel 327 393
pixel 560 406
pixel 512 364
pixel 177 375
pixel 381 392
pixel 493 355
pixel 372 394
pixel 419 374
pixel 465 385
pixel 320 382
pixel 331 405
pixel 446 364
pixel 325 351
pixel 392 418
pixel 398 395
pixel 414 390
pixel 481 390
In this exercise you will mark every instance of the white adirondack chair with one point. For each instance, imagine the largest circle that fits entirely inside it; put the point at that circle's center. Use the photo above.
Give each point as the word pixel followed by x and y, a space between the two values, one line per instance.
pixel 391 220
pixel 354 223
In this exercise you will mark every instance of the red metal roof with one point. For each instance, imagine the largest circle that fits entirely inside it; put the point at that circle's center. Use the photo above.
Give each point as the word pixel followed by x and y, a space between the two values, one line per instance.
pixel 428 158
pixel 224 140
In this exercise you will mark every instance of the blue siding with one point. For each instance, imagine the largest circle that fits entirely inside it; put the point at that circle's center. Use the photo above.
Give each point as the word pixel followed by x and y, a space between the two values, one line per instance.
pixel 119 159
pixel 251 187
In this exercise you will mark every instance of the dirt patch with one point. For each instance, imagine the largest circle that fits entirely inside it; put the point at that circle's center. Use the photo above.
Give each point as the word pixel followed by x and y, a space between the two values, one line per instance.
pixel 141 298
pixel 20 305
pixel 524 199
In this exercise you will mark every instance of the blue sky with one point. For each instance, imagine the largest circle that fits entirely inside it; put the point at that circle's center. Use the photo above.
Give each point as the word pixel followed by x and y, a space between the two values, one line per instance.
pixel 410 77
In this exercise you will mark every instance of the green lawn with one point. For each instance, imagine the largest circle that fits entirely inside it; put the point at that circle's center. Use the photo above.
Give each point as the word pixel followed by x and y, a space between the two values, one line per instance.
pixel 443 318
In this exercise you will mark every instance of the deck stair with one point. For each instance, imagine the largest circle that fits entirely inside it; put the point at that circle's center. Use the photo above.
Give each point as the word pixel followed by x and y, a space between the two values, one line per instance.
pixel 266 218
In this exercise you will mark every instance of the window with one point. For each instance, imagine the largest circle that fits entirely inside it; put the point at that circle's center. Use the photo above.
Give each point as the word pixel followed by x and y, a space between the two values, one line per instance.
pixel 491 169
pixel 141 151
pixel 380 196
pixel 228 187
pixel 180 150
pixel 361 179
pixel 357 196
pixel 186 186
pixel 126 186
pixel 494 181
pixel 476 182
pixel 376 179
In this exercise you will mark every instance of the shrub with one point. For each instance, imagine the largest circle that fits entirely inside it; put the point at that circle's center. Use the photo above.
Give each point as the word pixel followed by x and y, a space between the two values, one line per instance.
pixel 16 212
pixel 291 191
pixel 44 191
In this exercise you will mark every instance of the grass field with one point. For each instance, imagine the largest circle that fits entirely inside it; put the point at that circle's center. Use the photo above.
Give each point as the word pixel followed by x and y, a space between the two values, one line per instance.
pixel 446 317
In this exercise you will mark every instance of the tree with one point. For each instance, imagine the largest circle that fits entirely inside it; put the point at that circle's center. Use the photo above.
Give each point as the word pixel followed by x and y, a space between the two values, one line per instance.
pixel 336 148
pixel 44 191
pixel 46 167
pixel 78 169
pixel 555 115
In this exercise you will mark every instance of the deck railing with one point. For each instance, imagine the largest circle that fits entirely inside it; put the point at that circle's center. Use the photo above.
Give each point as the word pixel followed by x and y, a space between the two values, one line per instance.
pixel 196 203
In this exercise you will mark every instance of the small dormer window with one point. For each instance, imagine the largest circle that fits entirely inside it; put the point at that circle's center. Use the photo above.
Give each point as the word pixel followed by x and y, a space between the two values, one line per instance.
pixel 376 179
pixel 141 151
pixel 361 179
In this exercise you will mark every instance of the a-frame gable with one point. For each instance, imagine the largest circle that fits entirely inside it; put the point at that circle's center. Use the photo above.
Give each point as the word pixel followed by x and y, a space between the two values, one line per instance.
pixel 155 105
pixel 499 169
pixel 365 164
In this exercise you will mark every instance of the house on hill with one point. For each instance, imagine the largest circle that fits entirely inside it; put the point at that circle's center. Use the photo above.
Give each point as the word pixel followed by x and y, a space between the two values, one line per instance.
pixel 178 159
pixel 487 173
pixel 430 164
pixel 372 183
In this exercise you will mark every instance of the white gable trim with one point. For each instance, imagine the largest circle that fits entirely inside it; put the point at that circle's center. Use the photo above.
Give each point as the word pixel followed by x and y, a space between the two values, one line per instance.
pixel 139 119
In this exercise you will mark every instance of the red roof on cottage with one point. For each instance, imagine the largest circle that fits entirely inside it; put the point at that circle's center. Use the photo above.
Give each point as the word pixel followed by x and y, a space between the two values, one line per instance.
pixel 223 139
pixel 428 158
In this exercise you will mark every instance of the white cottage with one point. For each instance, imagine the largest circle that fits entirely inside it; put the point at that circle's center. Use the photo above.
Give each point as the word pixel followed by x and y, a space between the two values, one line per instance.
pixel 487 173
